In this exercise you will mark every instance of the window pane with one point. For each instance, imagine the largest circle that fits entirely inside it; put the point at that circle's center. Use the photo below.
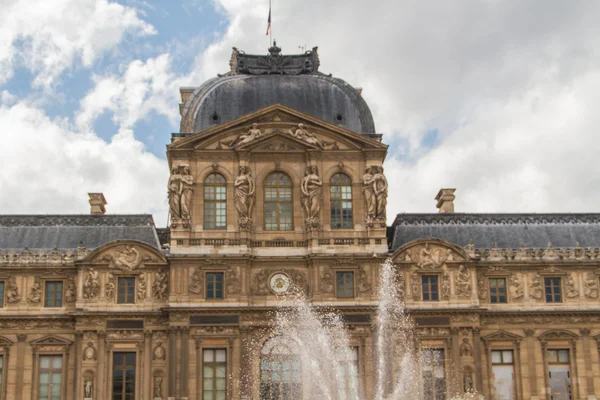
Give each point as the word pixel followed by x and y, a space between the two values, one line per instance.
pixel 507 357
pixel 209 355
pixel 563 356
pixel 496 357
pixel 221 356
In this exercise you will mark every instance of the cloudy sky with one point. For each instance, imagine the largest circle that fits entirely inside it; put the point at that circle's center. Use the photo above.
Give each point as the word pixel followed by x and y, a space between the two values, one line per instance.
pixel 499 99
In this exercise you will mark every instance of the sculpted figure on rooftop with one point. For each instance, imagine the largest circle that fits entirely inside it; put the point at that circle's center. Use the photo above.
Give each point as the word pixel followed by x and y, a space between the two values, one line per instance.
pixel 303 134
pixel 253 133
pixel 245 193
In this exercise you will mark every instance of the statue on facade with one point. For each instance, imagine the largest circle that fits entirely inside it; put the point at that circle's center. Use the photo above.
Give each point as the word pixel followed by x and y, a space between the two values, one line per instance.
pixel 12 294
pixel 142 287
pixel 463 281
pixel 375 189
pixel 109 287
pixel 88 388
pixel 70 291
pixel 160 285
pixel 158 387
pixel 591 286
pixel 311 196
pixel 381 193
pixel 91 285
pixel 180 189
pixel 127 258
pixel 245 194
pixel 516 287
pixel 303 134
pixel 369 193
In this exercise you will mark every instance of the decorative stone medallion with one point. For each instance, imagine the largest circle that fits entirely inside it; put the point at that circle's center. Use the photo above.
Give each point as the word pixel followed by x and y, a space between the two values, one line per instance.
pixel 279 283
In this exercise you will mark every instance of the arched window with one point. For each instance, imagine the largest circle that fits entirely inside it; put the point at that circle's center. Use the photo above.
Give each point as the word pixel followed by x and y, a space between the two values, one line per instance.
pixel 280 376
pixel 341 201
pixel 215 202
pixel 278 202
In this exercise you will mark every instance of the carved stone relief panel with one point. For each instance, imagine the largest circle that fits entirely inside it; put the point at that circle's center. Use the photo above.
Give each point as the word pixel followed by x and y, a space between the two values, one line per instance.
pixel 463 282
pixel 591 286
pixel 536 290
pixel 160 286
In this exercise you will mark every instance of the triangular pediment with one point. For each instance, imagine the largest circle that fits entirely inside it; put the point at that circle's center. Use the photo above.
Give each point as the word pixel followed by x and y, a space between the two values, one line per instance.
pixel 51 340
pixel 277 119
pixel 501 336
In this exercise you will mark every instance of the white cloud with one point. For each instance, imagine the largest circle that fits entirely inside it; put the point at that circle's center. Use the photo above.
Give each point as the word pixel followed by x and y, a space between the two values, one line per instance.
pixel 49 37
pixel 51 168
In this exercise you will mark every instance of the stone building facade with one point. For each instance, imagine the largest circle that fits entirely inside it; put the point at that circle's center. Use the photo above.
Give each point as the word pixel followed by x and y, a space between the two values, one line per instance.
pixel 277 180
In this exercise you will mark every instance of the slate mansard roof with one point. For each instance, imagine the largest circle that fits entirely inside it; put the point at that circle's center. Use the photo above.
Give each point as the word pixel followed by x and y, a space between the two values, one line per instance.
pixel 257 81
pixel 509 231
pixel 67 231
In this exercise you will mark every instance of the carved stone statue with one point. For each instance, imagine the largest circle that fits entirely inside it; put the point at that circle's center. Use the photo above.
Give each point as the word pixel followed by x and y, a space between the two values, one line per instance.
pixel 468 382
pixel 88 388
pixel 253 133
pixel 445 286
pixel 245 194
pixel 516 287
pixel 91 285
pixel 159 351
pixel 415 283
pixel 381 193
pixel 311 196
pixel 160 285
pixel 70 291
pixel 180 189
pixel 12 294
pixel 127 258
pixel 591 286
pixel 463 282
pixel 301 133
pixel 35 296
pixel 158 387
pixel 142 287
pixel 196 285
pixel 537 287
pixel 369 193
pixel 109 287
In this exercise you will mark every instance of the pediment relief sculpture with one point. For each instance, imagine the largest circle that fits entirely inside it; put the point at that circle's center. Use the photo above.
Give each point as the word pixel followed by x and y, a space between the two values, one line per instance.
pixel 126 257
pixel 428 256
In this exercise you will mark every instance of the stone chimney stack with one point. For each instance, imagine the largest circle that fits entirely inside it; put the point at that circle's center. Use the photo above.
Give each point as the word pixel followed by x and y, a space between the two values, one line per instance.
pixel 445 200
pixel 97 203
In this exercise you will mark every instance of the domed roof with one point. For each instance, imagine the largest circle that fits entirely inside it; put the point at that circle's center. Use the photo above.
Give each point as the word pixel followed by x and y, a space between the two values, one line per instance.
pixel 255 82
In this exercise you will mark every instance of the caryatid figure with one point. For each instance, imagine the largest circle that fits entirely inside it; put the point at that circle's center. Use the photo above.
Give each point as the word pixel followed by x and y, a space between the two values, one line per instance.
pixel 381 192
pixel 245 191
pixel 311 193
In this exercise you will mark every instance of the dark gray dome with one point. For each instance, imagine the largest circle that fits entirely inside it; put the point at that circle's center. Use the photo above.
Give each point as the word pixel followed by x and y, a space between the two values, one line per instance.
pixel 226 98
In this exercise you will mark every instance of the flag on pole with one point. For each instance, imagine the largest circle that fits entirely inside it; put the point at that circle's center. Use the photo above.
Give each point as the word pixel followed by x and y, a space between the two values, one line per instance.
pixel 269 20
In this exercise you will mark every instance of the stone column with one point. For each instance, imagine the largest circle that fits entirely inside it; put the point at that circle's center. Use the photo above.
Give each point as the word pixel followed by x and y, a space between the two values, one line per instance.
pixel 147 390
pixel 100 386
pixel 21 337
pixel 199 371
pixel 247 378
pixel 185 361
pixel 477 359
pixel 531 363
pixel 455 357
pixel 587 354
pixel 172 384
pixel 77 364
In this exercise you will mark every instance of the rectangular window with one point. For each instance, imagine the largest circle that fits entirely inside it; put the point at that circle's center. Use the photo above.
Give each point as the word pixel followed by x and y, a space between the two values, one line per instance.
pixel 341 207
pixel 50 378
pixel 215 207
pixel 559 372
pixel 345 284
pixel 553 294
pixel 126 291
pixel 434 374
pixel 214 285
pixel 123 387
pixel 348 363
pixel 1 294
pixel 54 294
pixel 497 290
pixel 430 287
pixel 214 374
pixel 503 374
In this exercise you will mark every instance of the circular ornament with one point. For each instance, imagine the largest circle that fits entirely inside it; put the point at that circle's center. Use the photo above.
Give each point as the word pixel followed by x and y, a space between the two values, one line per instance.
pixel 279 283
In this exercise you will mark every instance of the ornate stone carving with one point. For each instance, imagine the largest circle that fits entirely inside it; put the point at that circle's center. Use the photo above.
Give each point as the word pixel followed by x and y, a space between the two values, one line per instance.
pixel 89 353
pixel 463 282
pixel 482 286
pixel 158 387
pixel 109 286
pixel 303 134
pixel 311 197
pixel 252 134
pixel 160 286
pixel 142 287
pixel 259 283
pixel 400 284
pixel 375 190
pixel 467 381
pixel 537 287
pixel 39 257
pixel 70 291
pixel 445 286
pixel 126 258
pixel 415 283
pixel 571 288
pixel 277 145
pixel 159 352
pixel 245 197
pixel 196 285
pixel 591 286
pixel 550 254
pixel 465 348
pixel 233 280
pixel 428 256
pixel 91 285
pixel 125 334
pixel 88 387
pixel 364 283
pixel 180 189
pixel 35 295
pixel 515 287
pixel 12 292
pixel 326 280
